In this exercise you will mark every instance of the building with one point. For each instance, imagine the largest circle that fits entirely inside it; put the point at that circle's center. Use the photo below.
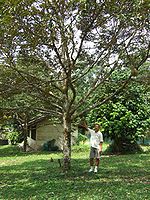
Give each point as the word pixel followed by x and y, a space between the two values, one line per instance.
pixel 43 130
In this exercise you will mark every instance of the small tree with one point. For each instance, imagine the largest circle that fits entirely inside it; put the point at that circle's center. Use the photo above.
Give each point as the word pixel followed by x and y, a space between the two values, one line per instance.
pixel 8 130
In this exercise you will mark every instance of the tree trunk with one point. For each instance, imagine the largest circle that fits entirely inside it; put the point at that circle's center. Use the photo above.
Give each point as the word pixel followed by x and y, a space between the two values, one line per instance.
pixel 25 134
pixel 67 142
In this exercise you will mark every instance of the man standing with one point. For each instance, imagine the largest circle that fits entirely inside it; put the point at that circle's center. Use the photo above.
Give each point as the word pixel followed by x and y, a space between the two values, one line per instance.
pixel 96 141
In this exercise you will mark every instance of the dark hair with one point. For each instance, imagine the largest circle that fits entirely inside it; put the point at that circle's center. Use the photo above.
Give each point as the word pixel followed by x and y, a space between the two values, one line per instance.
pixel 97 125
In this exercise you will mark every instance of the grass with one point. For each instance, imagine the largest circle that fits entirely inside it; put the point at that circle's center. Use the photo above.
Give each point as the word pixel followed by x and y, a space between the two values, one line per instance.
pixel 29 176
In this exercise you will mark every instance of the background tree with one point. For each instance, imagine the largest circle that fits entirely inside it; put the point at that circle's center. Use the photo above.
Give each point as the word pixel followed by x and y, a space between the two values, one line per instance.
pixel 125 118
pixel 66 40
pixel 18 102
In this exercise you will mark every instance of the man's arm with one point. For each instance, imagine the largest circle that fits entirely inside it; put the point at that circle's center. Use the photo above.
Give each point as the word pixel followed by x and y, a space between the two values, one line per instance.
pixel 100 147
pixel 101 143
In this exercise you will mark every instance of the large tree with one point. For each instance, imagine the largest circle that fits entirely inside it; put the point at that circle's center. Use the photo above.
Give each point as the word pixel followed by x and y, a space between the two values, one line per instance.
pixel 55 45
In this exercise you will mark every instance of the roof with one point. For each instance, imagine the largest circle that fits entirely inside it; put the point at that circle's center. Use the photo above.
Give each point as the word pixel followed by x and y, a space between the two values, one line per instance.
pixel 39 119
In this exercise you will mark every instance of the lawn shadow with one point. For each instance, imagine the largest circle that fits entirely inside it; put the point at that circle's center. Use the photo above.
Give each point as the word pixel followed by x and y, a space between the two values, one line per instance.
pixel 13 150
pixel 44 179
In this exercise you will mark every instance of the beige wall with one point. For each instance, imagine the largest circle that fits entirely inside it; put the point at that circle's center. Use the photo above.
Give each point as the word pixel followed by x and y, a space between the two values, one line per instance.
pixel 47 131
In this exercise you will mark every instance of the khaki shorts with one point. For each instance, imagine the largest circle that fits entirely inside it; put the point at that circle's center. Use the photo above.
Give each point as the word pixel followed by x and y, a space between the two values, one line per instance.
pixel 94 153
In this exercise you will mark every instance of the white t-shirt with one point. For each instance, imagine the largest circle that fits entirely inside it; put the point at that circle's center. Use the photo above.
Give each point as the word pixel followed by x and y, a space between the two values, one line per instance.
pixel 95 138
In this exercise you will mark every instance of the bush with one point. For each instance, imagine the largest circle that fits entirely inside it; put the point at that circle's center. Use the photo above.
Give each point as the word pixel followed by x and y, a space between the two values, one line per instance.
pixel 13 136
pixel 50 146
pixel 123 148
pixel 81 138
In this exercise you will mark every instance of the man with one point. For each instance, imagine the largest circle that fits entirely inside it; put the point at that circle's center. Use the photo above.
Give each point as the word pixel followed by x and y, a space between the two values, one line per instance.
pixel 96 141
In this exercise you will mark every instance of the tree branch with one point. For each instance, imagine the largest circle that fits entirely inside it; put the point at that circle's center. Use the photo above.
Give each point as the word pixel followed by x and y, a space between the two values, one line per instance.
pixel 102 102
pixel 95 15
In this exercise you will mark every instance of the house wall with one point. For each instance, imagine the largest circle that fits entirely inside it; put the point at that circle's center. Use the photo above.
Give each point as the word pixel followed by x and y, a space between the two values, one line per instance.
pixel 47 131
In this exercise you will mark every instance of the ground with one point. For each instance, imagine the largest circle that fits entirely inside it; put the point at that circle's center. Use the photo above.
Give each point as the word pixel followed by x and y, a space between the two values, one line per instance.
pixel 29 176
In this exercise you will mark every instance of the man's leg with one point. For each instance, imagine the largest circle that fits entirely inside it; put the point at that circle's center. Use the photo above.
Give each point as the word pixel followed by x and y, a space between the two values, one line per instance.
pixel 97 161
pixel 91 160
pixel 91 164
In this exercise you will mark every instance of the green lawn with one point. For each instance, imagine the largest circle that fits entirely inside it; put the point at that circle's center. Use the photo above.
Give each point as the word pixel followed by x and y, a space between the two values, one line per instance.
pixel 33 176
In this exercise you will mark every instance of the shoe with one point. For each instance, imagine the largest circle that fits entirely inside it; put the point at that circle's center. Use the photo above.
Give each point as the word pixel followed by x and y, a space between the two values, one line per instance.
pixel 91 170
pixel 95 170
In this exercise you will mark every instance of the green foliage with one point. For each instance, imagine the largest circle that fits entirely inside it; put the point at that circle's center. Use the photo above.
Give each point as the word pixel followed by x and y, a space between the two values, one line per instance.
pixel 13 136
pixel 81 138
pixel 10 128
pixel 10 132
pixel 124 147
pixel 125 118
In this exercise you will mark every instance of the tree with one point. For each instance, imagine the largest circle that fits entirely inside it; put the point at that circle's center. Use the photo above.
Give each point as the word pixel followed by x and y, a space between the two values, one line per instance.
pixel 16 102
pixel 8 129
pixel 125 118
pixel 55 45
pixel 19 114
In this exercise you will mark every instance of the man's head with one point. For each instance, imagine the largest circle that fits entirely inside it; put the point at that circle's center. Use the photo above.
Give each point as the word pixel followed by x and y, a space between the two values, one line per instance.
pixel 96 127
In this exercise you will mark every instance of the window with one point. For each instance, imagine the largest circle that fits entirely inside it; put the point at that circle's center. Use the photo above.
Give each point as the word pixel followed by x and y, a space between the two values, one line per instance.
pixel 33 132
